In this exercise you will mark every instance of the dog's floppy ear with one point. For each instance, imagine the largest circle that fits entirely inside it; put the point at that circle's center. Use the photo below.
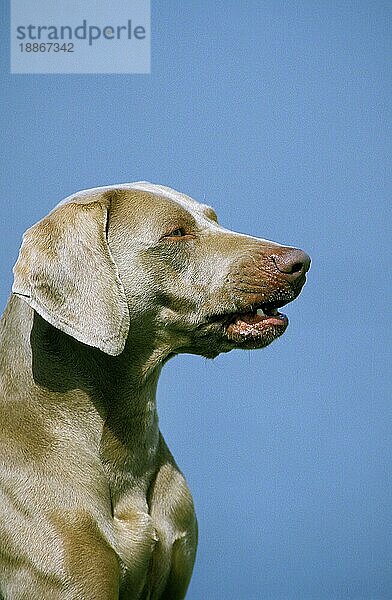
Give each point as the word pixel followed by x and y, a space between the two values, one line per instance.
pixel 65 271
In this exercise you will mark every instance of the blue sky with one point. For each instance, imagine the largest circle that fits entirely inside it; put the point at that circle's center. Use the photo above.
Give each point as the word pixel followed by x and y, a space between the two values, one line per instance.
pixel 278 114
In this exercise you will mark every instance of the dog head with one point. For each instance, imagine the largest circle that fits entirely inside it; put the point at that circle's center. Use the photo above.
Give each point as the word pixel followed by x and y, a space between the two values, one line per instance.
pixel 142 263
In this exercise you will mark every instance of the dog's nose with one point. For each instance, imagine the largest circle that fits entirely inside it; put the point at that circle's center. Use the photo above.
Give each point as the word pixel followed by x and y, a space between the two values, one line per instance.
pixel 291 262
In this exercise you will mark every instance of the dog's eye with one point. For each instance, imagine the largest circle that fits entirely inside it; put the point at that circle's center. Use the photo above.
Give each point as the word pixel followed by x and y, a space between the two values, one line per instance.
pixel 180 232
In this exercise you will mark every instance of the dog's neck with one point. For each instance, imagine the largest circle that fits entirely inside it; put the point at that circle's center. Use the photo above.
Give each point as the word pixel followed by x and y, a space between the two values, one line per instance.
pixel 119 384
pixel 122 391
pixel 116 396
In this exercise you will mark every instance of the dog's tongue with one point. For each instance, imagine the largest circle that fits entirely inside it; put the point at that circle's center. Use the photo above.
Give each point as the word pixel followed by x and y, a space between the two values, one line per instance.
pixel 248 321
pixel 254 321
pixel 251 318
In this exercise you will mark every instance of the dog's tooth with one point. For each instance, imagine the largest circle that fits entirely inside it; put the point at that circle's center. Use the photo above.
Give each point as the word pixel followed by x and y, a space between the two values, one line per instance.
pixel 260 312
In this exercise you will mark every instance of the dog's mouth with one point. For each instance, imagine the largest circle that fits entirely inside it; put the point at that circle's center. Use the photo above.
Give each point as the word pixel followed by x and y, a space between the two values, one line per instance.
pixel 254 320
pixel 256 327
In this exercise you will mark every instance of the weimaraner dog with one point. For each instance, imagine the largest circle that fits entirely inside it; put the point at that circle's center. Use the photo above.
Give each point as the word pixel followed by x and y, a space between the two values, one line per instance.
pixel 108 287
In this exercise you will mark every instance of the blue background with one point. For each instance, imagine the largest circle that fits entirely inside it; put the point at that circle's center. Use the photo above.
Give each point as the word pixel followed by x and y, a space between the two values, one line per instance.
pixel 278 114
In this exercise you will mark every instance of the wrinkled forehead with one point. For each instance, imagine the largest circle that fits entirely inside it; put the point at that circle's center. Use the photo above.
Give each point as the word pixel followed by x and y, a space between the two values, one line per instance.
pixel 164 198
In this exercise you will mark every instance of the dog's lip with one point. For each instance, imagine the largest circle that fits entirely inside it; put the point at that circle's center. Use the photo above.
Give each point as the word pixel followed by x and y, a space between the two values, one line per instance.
pixel 255 321
pixel 263 310
pixel 255 325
